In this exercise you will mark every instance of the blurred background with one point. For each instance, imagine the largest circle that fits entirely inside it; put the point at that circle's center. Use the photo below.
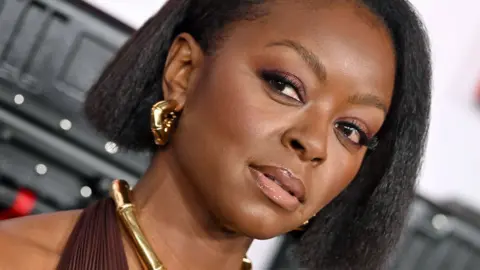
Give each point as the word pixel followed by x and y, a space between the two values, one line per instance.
pixel 51 52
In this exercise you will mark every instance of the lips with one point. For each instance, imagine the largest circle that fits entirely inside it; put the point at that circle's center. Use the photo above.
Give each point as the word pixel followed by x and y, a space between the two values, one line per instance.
pixel 280 185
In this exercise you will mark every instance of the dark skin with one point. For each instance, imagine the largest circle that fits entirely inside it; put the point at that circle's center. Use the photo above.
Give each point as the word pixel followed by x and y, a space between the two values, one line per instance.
pixel 198 203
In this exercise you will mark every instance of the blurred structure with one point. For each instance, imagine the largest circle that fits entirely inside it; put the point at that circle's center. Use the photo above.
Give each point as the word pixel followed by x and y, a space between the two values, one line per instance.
pixel 51 159
pixel 50 54
pixel 443 237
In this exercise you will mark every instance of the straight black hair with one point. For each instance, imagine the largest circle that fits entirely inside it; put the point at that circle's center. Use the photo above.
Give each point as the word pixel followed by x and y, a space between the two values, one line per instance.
pixel 361 227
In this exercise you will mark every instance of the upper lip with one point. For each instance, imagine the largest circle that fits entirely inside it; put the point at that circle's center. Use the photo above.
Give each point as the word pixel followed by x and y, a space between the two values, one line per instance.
pixel 285 178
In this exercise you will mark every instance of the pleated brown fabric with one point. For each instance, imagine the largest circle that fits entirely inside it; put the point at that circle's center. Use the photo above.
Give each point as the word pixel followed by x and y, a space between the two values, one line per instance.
pixel 96 242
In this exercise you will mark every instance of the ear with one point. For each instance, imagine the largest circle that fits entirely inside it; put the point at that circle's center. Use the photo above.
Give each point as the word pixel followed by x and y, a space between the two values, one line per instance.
pixel 184 58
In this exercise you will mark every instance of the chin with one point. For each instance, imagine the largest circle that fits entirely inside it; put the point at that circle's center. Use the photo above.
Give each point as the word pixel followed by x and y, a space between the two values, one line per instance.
pixel 263 233
pixel 260 227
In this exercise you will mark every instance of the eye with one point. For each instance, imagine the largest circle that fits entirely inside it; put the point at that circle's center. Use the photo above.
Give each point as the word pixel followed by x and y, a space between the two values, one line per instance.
pixel 283 83
pixel 355 134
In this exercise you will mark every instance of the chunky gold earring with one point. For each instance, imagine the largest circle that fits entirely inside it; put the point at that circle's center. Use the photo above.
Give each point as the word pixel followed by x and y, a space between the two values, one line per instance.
pixel 162 120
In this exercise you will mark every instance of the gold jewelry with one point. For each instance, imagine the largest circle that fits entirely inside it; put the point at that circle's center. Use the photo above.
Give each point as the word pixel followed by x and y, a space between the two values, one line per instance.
pixel 304 226
pixel 162 120
pixel 120 193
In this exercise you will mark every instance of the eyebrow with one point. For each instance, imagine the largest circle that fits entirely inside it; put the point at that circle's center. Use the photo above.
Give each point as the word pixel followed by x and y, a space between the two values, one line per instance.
pixel 368 100
pixel 308 56
pixel 319 69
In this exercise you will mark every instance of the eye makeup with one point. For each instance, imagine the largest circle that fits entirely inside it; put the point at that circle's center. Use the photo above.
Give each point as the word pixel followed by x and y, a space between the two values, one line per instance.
pixel 285 83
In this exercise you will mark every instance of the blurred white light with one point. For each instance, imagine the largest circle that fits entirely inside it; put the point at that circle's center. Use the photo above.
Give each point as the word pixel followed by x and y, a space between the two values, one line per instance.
pixel 19 99
pixel 440 222
pixel 65 124
pixel 86 192
pixel 111 147
pixel 41 169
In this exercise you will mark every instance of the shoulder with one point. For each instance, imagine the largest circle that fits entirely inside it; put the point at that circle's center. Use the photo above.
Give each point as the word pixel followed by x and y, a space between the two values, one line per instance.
pixel 35 241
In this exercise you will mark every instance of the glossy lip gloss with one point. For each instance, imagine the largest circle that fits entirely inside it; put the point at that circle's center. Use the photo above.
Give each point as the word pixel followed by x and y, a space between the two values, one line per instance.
pixel 279 185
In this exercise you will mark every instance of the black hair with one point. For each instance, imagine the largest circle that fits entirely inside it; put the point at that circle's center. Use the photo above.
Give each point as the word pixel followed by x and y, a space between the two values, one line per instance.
pixel 360 228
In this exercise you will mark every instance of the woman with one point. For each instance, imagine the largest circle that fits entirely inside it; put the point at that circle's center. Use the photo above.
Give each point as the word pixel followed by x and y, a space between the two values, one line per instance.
pixel 272 115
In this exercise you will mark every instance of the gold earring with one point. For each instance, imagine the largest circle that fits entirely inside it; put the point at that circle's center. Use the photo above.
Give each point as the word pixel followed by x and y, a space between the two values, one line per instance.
pixel 162 120
pixel 304 226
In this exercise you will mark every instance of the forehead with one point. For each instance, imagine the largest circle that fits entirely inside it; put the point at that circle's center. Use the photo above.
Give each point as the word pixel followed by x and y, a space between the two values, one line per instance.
pixel 345 36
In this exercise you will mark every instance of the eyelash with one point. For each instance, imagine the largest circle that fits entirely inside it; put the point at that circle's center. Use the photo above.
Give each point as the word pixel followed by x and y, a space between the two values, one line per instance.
pixel 278 76
pixel 271 76
pixel 365 139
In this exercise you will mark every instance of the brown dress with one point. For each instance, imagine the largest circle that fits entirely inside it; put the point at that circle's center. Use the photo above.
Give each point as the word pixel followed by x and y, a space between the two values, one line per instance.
pixel 96 241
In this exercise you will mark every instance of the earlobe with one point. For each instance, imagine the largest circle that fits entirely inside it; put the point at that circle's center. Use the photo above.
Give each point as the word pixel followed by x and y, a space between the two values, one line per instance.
pixel 184 58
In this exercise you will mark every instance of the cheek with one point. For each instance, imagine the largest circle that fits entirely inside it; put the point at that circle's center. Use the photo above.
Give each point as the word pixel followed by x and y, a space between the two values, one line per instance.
pixel 220 123
pixel 230 114
pixel 232 105
pixel 338 171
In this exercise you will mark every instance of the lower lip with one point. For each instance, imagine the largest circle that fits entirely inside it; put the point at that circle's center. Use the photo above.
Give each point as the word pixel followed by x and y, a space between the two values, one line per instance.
pixel 274 192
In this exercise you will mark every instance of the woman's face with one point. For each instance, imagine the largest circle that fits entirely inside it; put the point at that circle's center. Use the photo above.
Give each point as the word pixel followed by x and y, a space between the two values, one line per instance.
pixel 274 124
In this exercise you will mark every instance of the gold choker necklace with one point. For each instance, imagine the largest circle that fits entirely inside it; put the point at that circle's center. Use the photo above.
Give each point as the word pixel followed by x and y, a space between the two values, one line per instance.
pixel 120 193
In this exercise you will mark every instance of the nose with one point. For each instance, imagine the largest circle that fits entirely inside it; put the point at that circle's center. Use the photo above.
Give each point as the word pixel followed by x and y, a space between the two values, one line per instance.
pixel 308 141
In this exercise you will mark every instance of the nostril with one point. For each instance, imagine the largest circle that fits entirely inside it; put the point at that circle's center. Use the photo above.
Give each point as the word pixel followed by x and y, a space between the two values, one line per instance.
pixel 306 154
pixel 316 161
pixel 297 145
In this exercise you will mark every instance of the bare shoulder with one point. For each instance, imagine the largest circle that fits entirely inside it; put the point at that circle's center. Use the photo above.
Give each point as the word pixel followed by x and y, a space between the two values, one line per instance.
pixel 35 241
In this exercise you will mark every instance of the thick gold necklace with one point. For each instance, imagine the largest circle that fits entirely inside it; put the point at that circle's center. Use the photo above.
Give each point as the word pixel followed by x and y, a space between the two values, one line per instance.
pixel 120 193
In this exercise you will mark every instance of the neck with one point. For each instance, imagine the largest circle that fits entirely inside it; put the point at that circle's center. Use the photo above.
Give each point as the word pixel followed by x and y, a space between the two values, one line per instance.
pixel 181 230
